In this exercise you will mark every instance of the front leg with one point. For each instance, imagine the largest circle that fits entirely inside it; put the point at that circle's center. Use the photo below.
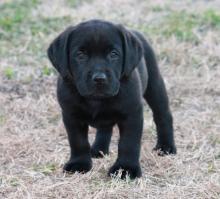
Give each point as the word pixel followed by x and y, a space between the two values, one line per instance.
pixel 129 146
pixel 80 158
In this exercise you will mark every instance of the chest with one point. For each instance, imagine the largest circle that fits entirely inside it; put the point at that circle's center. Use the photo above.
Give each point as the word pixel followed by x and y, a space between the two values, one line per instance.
pixel 98 114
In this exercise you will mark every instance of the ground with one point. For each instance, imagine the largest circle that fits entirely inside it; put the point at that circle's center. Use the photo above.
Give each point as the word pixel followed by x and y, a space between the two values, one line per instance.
pixel 33 141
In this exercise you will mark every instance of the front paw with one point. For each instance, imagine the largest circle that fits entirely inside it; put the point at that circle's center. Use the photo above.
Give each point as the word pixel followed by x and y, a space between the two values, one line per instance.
pixel 81 166
pixel 165 149
pixel 133 170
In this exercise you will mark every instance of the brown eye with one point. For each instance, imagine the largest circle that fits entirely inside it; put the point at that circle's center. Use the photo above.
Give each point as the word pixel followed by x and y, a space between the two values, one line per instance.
pixel 114 55
pixel 81 55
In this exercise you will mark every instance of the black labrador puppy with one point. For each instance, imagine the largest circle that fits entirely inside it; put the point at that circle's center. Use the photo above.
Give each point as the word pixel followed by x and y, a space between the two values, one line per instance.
pixel 105 72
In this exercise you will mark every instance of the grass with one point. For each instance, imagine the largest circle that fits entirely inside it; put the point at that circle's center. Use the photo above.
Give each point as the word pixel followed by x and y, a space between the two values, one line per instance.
pixel 45 169
pixel 14 182
pixel 9 72
pixel 181 25
pixel 212 17
pixel 2 119
pixel 76 3
pixel 33 142
pixel 14 13
pixel 47 71
pixel 184 26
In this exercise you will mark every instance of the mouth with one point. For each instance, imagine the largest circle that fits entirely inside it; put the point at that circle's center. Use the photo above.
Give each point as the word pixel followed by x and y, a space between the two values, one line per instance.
pixel 99 95
pixel 98 92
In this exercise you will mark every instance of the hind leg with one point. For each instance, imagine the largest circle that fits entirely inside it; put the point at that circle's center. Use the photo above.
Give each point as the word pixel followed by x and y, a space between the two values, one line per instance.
pixel 156 97
pixel 101 144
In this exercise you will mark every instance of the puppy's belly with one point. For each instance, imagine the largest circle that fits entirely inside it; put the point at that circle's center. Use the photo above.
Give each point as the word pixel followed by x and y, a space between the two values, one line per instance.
pixel 103 121
pixel 100 125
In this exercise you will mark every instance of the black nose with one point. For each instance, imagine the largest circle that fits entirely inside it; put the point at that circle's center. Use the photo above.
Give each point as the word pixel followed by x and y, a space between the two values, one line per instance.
pixel 99 77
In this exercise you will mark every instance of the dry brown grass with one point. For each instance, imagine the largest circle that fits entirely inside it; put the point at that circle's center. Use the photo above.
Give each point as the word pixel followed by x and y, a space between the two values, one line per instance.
pixel 33 142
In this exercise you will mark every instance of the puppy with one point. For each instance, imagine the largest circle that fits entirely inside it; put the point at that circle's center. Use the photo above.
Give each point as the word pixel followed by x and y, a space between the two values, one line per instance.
pixel 105 72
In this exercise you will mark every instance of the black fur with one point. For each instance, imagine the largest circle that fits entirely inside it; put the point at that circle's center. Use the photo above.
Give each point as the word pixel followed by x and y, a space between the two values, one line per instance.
pixel 105 72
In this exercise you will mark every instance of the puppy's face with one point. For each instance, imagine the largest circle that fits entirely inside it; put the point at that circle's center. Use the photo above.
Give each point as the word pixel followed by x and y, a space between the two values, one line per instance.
pixel 96 55
pixel 96 58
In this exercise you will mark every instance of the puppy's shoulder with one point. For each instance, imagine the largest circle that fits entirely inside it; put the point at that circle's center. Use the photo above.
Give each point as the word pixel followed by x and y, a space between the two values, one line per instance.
pixel 66 92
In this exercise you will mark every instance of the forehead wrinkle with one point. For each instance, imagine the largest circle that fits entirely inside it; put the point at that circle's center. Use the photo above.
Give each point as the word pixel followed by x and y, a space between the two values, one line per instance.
pixel 97 37
pixel 99 41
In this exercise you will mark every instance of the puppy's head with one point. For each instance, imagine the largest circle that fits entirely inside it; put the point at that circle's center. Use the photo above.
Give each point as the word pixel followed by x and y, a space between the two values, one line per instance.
pixel 96 55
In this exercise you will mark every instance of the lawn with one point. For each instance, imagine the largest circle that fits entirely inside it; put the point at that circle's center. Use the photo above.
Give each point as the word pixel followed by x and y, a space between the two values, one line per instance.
pixel 33 141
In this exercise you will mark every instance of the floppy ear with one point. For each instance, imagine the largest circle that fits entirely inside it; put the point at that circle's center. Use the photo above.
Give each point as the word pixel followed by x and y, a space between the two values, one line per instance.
pixel 132 51
pixel 58 52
